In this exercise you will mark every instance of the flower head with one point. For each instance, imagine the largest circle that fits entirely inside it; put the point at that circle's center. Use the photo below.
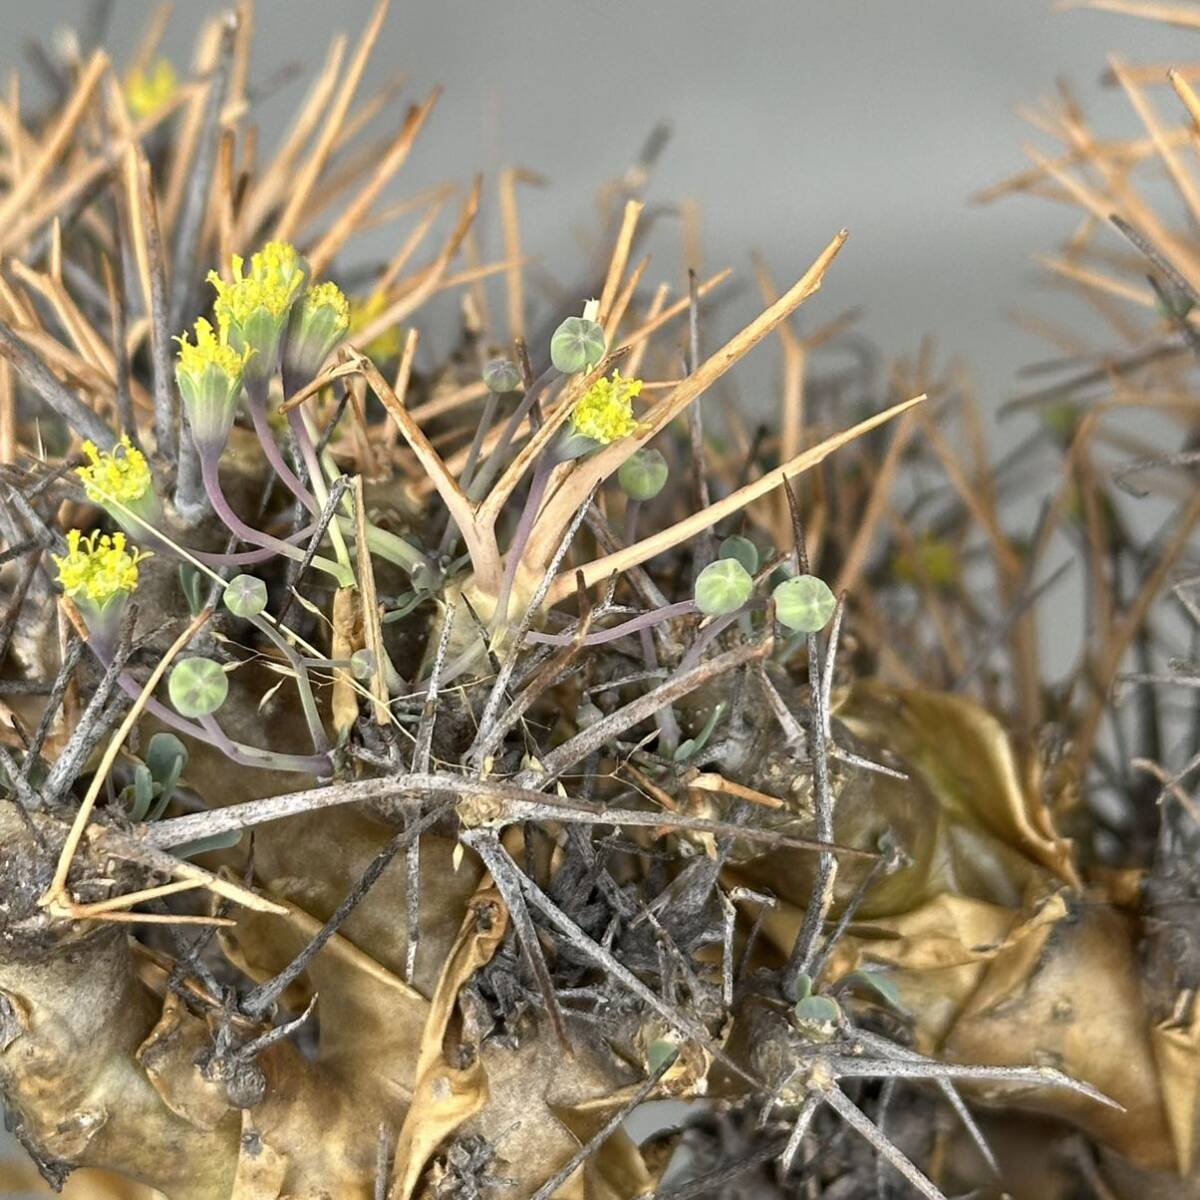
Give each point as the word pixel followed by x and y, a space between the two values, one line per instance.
pixel 121 473
pixel 605 413
pixel 383 346
pixel 252 308
pixel 119 477
pixel 148 89
pixel 98 569
pixel 209 372
pixel 319 321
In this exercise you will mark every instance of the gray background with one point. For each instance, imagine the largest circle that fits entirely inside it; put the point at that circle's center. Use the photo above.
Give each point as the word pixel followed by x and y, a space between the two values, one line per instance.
pixel 791 118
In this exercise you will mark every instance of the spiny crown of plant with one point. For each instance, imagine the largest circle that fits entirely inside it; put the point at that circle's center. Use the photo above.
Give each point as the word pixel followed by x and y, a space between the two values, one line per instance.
pixel 148 89
pixel 277 274
pixel 121 473
pixel 209 350
pixel 605 412
pixel 98 567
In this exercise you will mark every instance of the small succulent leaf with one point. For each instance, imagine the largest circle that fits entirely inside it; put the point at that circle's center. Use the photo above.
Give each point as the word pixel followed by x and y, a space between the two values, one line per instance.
pixel 191 583
pixel 804 604
pixel 723 587
pixel 643 474
pixel 742 549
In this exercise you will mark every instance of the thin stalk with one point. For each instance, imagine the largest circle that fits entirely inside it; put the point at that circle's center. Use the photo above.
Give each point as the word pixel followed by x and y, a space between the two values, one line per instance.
pixel 307 701
pixel 209 465
pixel 533 502
pixel 308 451
pixel 638 624
pixel 256 402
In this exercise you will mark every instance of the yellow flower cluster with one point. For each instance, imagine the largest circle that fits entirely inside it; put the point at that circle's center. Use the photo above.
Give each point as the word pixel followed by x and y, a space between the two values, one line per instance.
pixel 605 413
pixel 98 567
pixel 384 346
pixel 329 295
pixel 276 276
pixel 146 91
pixel 932 559
pixel 209 350
pixel 118 474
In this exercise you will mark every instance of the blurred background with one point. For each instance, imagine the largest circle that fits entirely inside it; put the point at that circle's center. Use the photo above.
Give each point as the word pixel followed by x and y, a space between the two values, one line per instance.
pixel 790 119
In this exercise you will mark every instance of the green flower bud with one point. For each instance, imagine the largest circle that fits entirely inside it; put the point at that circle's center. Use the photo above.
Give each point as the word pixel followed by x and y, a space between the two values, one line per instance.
pixel 246 596
pixel 197 686
pixel 362 664
pixel 804 604
pixel 501 375
pixel 577 346
pixel 723 587
pixel 742 549
pixel 209 373
pixel 643 474
pixel 318 323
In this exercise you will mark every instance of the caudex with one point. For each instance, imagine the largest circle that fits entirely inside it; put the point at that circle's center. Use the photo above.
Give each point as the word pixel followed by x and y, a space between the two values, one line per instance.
pixel 412 771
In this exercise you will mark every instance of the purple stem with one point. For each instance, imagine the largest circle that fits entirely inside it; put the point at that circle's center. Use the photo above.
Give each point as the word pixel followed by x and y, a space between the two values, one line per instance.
pixel 692 657
pixel 212 734
pixel 495 460
pixel 210 472
pixel 243 558
pixel 533 502
pixel 256 402
pixel 636 624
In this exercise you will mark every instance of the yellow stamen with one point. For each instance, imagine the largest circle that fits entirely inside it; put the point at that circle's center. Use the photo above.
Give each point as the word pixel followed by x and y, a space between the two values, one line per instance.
pixel 386 345
pixel 209 350
pixel 146 91
pixel 605 412
pixel 98 567
pixel 118 474
pixel 276 277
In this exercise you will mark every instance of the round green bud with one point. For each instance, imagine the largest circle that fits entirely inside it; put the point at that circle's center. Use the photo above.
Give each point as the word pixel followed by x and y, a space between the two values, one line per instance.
pixel 362 664
pixel 804 604
pixel 723 587
pixel 197 687
pixel 246 596
pixel 643 474
pixel 501 375
pixel 742 549
pixel 577 345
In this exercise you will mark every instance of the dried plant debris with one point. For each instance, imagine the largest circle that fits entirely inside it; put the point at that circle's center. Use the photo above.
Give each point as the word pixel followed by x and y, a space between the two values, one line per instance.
pixel 412 772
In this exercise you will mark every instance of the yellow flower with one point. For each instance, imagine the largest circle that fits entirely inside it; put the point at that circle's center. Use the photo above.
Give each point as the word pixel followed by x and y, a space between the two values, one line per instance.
pixel 318 323
pixel 932 558
pixel 210 351
pixel 277 274
pixel 605 413
pixel 118 474
pixel 385 345
pixel 98 568
pixel 209 372
pixel 146 91
pixel 252 309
